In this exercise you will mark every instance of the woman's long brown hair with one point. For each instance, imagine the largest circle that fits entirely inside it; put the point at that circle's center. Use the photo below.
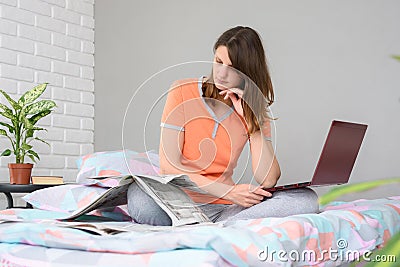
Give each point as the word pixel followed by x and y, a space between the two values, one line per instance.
pixel 247 55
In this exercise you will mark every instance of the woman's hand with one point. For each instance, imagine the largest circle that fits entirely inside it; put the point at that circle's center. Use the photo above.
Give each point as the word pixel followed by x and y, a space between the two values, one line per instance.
pixel 247 195
pixel 235 94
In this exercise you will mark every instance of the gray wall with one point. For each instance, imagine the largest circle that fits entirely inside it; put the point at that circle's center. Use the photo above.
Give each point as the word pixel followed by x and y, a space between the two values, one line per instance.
pixel 328 60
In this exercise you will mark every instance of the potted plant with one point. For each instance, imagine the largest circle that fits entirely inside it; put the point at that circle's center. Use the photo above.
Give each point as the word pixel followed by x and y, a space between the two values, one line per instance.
pixel 20 129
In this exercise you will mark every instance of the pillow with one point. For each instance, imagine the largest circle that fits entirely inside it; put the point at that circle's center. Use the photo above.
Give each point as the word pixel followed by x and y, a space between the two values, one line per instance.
pixel 63 198
pixel 120 162
pixel 70 197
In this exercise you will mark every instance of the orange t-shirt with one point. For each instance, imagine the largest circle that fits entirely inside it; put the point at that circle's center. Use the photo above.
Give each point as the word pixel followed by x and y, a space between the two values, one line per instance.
pixel 212 144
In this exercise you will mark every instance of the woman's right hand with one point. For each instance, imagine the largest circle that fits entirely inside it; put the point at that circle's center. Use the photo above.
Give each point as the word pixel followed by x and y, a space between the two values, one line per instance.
pixel 236 95
pixel 247 195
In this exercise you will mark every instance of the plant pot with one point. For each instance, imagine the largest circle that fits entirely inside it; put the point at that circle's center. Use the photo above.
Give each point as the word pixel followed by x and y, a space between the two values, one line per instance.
pixel 20 173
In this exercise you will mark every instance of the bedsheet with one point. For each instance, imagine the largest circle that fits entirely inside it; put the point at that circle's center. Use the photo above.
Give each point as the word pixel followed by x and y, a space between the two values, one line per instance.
pixel 343 227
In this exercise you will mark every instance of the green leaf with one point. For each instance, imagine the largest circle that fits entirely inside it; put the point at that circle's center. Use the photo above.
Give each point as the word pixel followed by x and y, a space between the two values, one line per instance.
pixel 21 116
pixel 26 146
pixel 38 116
pixel 10 128
pixel 396 57
pixel 3 132
pixel 6 153
pixel 39 129
pixel 29 133
pixel 14 122
pixel 32 94
pixel 32 158
pixel 6 109
pixel 28 124
pixel 8 115
pixel 352 188
pixel 40 106
pixel 37 138
pixel 31 152
pixel 10 100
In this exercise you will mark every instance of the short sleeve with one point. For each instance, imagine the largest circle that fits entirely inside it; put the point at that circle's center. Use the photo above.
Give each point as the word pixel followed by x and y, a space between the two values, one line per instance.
pixel 266 130
pixel 173 115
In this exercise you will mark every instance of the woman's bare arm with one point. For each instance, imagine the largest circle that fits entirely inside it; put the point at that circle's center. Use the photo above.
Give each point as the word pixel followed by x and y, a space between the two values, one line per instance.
pixel 265 166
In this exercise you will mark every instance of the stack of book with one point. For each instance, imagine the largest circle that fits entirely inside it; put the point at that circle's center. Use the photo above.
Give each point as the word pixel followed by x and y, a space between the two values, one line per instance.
pixel 47 180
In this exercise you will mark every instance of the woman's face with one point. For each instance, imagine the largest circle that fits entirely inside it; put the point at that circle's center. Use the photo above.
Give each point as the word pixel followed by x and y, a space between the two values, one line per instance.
pixel 225 76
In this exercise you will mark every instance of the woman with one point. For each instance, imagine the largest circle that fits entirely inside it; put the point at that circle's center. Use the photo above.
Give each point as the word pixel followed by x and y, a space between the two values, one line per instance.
pixel 206 123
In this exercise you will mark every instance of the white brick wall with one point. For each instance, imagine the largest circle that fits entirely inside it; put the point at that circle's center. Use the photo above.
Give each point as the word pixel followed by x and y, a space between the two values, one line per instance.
pixel 51 41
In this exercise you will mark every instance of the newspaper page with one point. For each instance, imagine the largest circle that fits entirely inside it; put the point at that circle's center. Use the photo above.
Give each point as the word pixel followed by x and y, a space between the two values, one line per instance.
pixel 114 228
pixel 113 197
pixel 176 203
pixel 180 180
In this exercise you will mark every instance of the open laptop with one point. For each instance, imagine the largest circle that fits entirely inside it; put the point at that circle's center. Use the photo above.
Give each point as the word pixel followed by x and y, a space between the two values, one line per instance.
pixel 337 157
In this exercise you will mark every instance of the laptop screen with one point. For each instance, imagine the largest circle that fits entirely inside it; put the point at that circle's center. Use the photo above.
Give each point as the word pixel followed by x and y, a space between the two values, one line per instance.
pixel 339 153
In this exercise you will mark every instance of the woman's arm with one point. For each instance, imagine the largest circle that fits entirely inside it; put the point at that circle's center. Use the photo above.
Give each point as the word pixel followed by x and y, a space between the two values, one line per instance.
pixel 266 169
pixel 171 143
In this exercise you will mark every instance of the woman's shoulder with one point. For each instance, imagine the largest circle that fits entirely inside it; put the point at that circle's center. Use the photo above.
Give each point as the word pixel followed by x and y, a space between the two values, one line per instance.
pixel 188 88
pixel 188 82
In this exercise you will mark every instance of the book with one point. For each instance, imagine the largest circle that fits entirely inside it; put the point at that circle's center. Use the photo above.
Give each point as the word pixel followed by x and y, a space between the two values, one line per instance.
pixel 47 180
pixel 165 190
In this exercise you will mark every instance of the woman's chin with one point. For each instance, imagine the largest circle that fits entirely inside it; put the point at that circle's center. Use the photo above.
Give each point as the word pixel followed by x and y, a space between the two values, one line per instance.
pixel 221 87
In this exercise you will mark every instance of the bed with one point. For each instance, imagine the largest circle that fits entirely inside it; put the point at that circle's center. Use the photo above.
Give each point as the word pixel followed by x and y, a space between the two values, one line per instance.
pixel 29 238
pixel 337 235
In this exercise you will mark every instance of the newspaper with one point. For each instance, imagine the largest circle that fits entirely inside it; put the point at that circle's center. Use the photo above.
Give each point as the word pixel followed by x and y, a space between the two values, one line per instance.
pixel 113 228
pixel 165 190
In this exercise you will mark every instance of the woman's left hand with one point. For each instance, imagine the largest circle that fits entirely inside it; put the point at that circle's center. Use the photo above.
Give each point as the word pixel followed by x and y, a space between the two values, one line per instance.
pixel 235 94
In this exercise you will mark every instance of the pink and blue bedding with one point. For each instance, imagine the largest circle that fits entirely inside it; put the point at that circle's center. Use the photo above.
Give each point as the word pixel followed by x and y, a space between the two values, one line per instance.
pixel 27 239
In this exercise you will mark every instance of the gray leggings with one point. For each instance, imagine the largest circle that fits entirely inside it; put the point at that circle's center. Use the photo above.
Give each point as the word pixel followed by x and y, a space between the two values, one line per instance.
pixel 144 210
